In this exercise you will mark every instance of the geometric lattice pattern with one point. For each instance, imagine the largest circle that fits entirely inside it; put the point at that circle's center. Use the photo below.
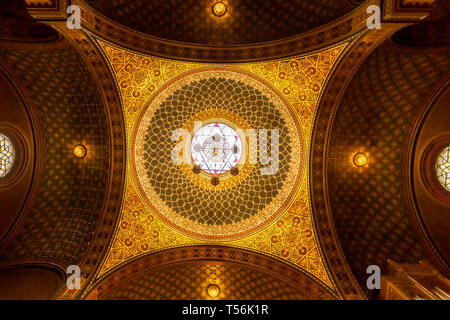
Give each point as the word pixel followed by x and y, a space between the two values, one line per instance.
pixel 443 168
pixel 73 192
pixel 7 155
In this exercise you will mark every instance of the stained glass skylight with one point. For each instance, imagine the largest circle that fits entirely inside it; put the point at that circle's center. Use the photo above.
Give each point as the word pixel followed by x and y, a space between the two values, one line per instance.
pixel 216 148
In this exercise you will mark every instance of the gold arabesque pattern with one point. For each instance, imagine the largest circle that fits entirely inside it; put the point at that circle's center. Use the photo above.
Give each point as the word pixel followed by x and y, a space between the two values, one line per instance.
pixel 291 237
pixel 193 283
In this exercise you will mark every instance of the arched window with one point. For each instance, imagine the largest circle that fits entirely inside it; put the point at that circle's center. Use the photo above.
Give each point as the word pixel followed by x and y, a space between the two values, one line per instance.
pixel 443 168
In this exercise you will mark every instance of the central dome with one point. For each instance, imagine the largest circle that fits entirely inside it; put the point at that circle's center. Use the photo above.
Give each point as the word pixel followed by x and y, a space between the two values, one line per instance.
pixel 220 119
pixel 216 148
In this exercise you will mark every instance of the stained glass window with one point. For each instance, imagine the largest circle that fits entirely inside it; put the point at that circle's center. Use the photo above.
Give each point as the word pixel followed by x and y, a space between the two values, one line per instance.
pixel 443 168
pixel 216 148
pixel 7 155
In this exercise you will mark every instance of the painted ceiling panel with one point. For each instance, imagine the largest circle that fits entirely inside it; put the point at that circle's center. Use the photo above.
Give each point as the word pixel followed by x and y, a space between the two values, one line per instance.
pixel 193 21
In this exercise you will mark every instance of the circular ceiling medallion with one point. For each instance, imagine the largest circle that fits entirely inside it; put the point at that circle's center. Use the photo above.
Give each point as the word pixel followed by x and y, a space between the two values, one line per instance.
pixel 221 125
pixel 208 179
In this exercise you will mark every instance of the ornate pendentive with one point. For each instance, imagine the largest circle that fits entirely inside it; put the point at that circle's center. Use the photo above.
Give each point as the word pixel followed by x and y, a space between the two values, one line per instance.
pixel 199 208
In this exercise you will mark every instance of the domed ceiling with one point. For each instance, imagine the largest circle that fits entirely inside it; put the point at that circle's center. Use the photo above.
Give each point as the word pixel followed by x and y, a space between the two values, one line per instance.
pixel 193 21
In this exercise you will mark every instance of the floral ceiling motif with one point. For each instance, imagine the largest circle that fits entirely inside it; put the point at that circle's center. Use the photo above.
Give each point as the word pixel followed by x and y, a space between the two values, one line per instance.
pixel 291 238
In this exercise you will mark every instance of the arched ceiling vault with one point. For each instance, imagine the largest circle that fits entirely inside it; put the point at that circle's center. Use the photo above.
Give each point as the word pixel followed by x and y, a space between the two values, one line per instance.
pixel 69 219
pixel 64 207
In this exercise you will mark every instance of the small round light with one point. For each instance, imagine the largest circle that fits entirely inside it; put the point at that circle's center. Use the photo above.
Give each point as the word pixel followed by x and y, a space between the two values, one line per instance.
pixel 219 9
pixel 213 290
pixel 215 181
pixel 360 159
pixel 79 151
